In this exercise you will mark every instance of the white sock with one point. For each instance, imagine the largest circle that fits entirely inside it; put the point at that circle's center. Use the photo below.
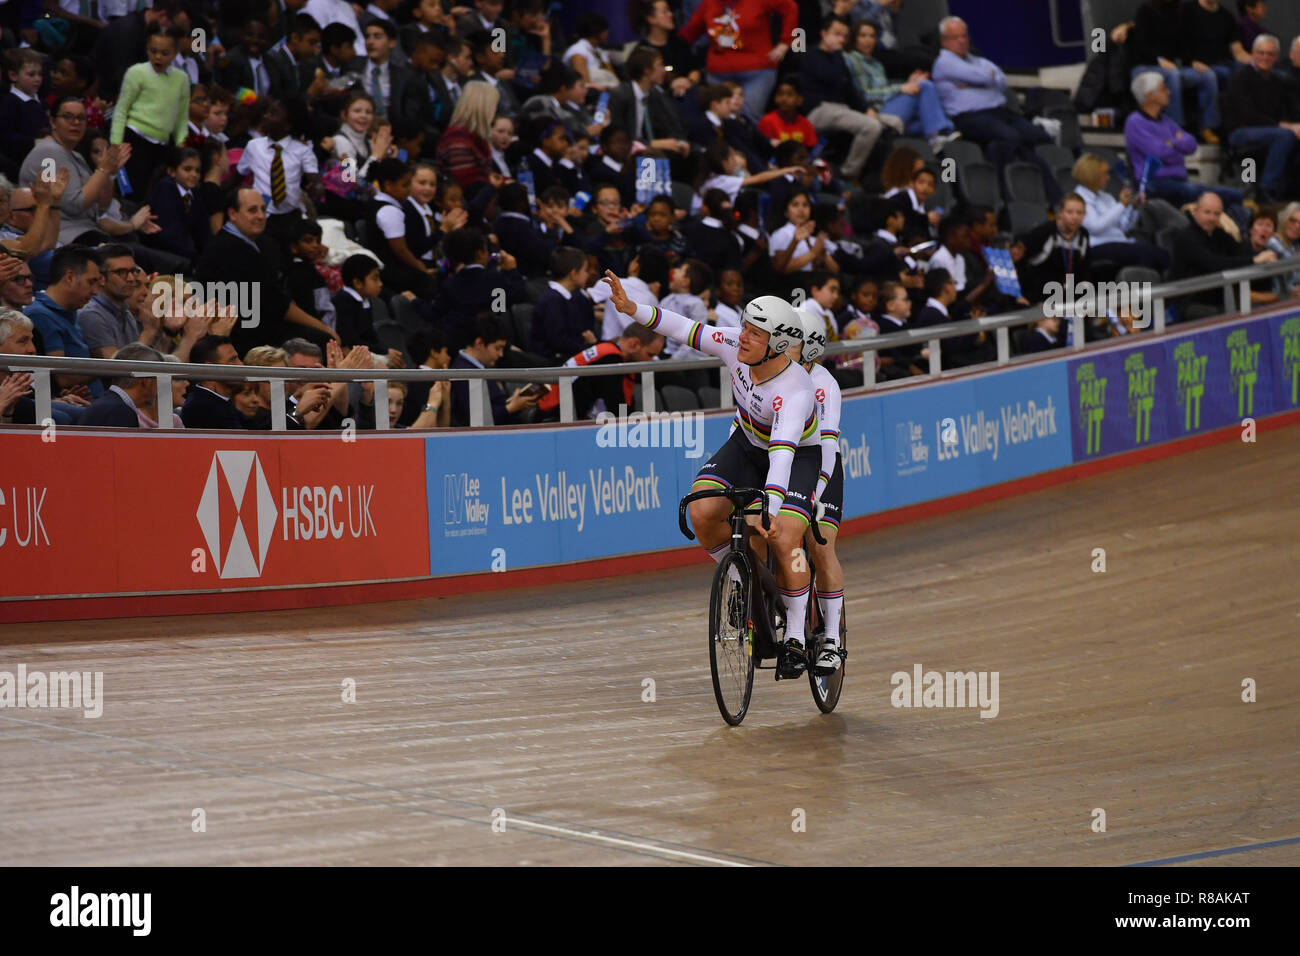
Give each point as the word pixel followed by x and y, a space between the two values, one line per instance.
pixel 720 552
pixel 796 609
pixel 831 604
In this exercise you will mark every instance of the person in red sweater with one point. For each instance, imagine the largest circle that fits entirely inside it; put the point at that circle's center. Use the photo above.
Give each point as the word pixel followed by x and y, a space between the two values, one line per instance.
pixel 786 122
pixel 740 44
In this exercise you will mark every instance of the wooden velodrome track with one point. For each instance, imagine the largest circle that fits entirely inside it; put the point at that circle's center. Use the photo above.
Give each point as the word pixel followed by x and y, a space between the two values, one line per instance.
pixel 1118 690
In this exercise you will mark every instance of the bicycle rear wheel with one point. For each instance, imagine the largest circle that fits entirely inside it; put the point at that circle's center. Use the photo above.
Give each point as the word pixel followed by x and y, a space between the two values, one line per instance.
pixel 731 652
pixel 825 687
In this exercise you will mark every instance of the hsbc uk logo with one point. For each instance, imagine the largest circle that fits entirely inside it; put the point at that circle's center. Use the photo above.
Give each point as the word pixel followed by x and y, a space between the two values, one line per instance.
pixel 237 514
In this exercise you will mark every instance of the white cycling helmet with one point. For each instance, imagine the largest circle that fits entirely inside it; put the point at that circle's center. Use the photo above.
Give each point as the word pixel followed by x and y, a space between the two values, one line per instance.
pixel 776 317
pixel 814 335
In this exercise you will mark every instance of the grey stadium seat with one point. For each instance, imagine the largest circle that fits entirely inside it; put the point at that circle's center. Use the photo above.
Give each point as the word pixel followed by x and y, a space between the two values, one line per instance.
pixel 1024 183
pixel 521 320
pixel 922 146
pixel 674 398
pixel 1056 156
pixel 978 183
pixel 1024 216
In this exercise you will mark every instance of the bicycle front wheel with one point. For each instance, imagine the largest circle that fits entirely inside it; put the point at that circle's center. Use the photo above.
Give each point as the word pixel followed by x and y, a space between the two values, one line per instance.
pixel 731 641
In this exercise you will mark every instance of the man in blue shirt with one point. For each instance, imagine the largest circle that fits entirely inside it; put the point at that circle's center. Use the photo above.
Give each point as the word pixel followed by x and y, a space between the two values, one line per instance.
pixel 74 279
pixel 973 93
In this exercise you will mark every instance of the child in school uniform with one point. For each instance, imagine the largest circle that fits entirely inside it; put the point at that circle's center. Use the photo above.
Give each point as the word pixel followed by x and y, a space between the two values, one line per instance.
pixel 153 108
pixel 23 117
pixel 178 208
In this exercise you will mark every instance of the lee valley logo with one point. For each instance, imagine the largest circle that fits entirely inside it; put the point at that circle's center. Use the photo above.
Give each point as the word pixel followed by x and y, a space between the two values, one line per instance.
pixel 1092 404
pixel 184 296
pixel 102 909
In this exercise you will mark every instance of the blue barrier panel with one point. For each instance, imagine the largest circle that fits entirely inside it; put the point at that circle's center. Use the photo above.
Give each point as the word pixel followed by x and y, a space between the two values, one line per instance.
pixel 535 497
pixel 946 439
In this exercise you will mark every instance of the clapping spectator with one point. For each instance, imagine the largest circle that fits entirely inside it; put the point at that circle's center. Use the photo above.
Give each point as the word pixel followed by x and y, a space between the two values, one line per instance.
pixel 798 246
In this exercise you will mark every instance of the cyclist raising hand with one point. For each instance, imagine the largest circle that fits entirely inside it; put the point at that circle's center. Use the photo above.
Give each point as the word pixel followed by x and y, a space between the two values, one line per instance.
pixel 776 441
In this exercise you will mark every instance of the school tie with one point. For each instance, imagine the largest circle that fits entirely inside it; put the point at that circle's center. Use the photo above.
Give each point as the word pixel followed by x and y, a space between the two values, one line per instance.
pixel 185 201
pixel 377 91
pixel 279 192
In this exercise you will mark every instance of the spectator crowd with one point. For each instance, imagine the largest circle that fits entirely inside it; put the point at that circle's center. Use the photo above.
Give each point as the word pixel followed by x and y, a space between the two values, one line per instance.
pixel 432 184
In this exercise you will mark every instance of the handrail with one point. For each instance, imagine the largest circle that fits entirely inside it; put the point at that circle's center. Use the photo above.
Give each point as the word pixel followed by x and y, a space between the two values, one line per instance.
pixel 480 408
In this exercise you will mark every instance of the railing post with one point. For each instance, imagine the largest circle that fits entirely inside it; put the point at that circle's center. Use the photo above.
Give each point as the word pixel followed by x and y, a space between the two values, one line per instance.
pixel 725 398
pixel 869 368
pixel 41 385
pixel 1080 332
pixel 648 393
pixel 279 416
pixel 1227 298
pixel 381 404
pixel 1003 336
pixel 935 364
pixel 164 396
pixel 1158 314
pixel 480 405
pixel 1243 297
pixel 565 385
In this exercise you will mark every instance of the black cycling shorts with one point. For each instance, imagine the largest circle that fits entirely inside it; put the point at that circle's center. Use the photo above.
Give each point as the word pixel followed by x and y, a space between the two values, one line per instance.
pixel 741 464
pixel 833 496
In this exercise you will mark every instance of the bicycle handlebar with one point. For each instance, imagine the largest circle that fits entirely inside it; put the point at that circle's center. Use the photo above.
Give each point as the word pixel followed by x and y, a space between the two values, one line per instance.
pixel 741 499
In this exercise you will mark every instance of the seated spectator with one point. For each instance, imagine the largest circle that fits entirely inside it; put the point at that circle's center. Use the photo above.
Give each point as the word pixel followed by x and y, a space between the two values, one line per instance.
pixel 1286 243
pixel 22 114
pixel 565 100
pixel 16 291
pixel 653 22
pixel 586 58
pixel 245 65
pixel 552 139
pixel 430 21
pixel 1258 113
pixel 716 123
pixel 500 139
pixel 660 230
pixel 742 43
pixel 1055 249
pixel 912 108
pixel 214 162
pixel 106 323
pixel 729 298
pixel 646 280
pixel 919 224
pixel 954 244
pixel 473 285
pixel 1044 336
pixel 429 349
pixel 208 404
pixel 240 254
pixel 1204 248
pixel 184 223
pixel 689 285
pixel 74 279
pixel 487 343
pixel 1150 131
pixel 609 234
pixel 119 406
pixel 791 155
pixel 900 166
pixel 593 395
pixel 610 164
pixel 563 319
pixel 1157 42
pixel 1250 24
pixel 1213 40
pixel 75 76
pixel 823 301
pixel 463 152
pixel 354 303
pixel 900 361
pixel 973 92
pixel 1263 291
pixel 148 414
pixel 359 137
pixel 832 99
pixel 1109 220
pixel 17 404
pixel 388 218
pixel 489 61
pixel 712 237
pixel 798 246
pixel 303 281
pixel 642 108
pixel 152 109
pixel 305 409
pixel 517 233
pixel 857 320
pixel 293 64
pixel 941 296
pixel 384 73
pixel 220 103
pixel 787 122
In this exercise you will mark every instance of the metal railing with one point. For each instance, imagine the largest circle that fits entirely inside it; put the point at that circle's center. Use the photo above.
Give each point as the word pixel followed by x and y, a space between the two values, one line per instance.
pixel 41 367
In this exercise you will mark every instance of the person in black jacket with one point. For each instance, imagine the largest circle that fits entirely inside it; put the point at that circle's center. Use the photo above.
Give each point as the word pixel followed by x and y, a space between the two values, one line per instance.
pixel 238 254
pixel 610 165
pixel 941 292
pixel 1158 41
pixel 643 109
pixel 1258 112
pixel 1055 249
pixel 208 403
pixel 831 99
pixel 518 234
pixel 1044 336
pixel 553 140
pixel 476 284
pixel 303 281
pixel 564 320
pixel 178 208
pixel 354 303
pixel 1204 248
pixel 712 238
pixel 486 345
pixel 293 66
pixel 116 408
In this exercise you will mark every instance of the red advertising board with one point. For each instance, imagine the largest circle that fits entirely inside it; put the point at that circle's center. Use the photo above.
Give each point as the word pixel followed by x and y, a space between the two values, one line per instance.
pixel 119 514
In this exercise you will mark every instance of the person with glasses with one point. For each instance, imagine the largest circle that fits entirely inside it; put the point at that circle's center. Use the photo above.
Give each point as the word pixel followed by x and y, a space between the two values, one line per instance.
pixel 32 226
pixel 89 191
pixel 106 323
pixel 17 291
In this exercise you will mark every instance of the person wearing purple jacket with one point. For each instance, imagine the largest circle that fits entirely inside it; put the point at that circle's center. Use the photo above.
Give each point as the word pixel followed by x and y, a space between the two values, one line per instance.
pixel 1149 132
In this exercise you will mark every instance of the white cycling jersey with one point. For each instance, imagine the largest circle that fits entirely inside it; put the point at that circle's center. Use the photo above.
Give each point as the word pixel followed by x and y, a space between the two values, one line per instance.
pixel 777 415
pixel 826 393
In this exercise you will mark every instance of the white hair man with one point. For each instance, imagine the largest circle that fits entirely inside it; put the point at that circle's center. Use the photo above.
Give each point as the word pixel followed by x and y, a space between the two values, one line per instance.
pixel 1257 114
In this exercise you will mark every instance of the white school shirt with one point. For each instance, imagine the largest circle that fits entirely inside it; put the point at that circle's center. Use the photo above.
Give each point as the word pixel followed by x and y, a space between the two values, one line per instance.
pixel 299 160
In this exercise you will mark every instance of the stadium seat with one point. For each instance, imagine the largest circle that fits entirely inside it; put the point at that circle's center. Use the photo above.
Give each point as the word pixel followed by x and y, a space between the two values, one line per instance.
pixel 1056 156
pixel 1071 134
pixel 1065 178
pixel 1165 237
pixel 922 146
pixel 521 320
pixel 965 152
pixel 536 286
pixel 677 399
pixel 1024 216
pixel 1138 274
pixel 943 196
pixel 1023 182
pixel 1105 152
pixel 978 184
pixel 710 397
pixel 405 315
pixel 362 230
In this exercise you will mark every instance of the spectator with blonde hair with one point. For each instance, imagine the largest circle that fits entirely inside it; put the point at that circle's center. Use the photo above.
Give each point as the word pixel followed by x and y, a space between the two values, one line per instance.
pixel 1286 243
pixel 464 153
pixel 312 402
pixel 1109 220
